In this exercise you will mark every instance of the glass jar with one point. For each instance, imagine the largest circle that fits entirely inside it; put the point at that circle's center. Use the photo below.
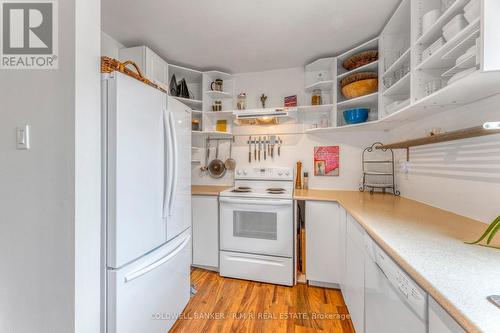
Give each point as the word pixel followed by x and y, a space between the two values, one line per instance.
pixel 316 97
pixel 242 101
pixel 324 121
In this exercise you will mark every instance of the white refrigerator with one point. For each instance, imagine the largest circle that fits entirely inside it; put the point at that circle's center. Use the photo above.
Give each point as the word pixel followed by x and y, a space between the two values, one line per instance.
pixel 147 206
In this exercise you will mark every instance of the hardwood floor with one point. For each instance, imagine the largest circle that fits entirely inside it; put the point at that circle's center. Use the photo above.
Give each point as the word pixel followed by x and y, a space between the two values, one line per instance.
pixel 230 305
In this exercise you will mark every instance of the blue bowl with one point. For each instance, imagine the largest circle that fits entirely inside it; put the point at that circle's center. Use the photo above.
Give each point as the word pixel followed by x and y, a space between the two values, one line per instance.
pixel 356 116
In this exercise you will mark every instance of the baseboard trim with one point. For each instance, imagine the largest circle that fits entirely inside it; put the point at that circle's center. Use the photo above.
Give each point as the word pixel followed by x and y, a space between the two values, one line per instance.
pixel 324 284
pixel 208 268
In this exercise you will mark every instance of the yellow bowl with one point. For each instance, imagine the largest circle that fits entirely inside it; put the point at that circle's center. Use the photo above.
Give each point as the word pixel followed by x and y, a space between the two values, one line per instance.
pixel 360 88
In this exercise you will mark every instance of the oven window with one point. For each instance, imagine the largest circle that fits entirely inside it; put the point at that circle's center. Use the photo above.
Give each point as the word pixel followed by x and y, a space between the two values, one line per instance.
pixel 255 225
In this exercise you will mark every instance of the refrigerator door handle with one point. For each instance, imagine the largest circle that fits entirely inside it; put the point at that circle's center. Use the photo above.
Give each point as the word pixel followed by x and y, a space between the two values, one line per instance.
pixel 145 270
pixel 175 158
pixel 167 179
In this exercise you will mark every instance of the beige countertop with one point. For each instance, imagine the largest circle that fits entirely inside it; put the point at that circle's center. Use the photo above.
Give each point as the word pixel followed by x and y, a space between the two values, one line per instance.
pixel 208 189
pixel 428 243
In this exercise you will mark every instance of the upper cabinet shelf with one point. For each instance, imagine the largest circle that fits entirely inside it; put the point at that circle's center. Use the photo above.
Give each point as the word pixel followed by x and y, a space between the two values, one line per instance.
pixel 404 58
pixel 218 94
pixel 371 67
pixel 447 54
pixel 321 85
pixel 435 30
pixel 368 46
pixel 368 101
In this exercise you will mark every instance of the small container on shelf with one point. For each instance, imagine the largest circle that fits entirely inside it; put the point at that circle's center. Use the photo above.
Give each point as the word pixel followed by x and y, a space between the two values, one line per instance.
pixel 221 125
pixel 316 98
pixel 434 85
pixel 305 185
pixel 241 104
pixel 217 106
pixel 195 125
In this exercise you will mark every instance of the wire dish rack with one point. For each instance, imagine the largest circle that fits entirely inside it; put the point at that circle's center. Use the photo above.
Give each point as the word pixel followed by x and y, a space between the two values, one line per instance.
pixel 378 170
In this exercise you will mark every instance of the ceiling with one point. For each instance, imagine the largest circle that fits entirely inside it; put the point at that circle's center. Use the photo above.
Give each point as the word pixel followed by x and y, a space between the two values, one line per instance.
pixel 245 35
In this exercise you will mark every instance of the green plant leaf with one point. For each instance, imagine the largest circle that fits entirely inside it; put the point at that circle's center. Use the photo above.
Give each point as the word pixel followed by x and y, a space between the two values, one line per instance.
pixel 494 224
pixel 493 233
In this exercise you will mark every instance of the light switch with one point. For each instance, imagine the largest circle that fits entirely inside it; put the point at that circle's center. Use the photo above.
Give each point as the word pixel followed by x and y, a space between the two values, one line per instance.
pixel 23 138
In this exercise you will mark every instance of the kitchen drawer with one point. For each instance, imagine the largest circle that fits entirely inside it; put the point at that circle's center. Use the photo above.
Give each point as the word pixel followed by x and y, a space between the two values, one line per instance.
pixel 257 267
pixel 355 231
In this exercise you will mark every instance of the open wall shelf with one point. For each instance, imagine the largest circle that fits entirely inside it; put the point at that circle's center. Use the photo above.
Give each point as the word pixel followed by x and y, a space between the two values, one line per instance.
pixel 443 137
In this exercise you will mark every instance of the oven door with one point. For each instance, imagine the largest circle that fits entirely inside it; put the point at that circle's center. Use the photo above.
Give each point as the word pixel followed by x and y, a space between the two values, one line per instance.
pixel 261 226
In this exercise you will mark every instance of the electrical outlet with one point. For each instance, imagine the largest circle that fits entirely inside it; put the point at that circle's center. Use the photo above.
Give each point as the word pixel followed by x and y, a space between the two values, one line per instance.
pixel 23 138
pixel 404 167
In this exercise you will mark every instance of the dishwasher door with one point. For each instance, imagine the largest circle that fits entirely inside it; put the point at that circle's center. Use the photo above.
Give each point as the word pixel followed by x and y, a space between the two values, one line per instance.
pixel 394 303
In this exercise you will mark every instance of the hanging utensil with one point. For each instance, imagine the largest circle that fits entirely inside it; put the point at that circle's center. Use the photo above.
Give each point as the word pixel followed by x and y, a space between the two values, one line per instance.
pixel 255 149
pixel 207 155
pixel 230 163
pixel 273 142
pixel 265 148
pixel 249 149
pixel 260 146
pixel 216 168
pixel 280 142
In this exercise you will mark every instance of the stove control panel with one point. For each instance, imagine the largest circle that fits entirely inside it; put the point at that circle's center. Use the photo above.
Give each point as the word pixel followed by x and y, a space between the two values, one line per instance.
pixel 265 173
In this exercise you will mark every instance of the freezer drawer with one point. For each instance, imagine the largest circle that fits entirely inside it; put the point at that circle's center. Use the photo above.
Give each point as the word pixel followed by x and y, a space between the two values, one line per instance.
pixel 150 294
pixel 257 267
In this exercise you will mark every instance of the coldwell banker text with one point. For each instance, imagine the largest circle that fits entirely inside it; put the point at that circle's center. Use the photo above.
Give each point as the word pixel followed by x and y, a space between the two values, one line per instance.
pixel 29 36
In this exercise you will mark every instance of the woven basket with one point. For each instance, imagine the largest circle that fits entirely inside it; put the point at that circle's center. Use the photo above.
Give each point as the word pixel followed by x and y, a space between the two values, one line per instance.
pixel 110 65
pixel 360 59
pixel 357 77
pixel 360 88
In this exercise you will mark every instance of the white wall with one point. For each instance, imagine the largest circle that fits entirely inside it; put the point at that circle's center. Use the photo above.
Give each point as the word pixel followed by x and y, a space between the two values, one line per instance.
pixel 109 46
pixel 40 240
pixel 87 167
pixel 460 176
pixel 276 85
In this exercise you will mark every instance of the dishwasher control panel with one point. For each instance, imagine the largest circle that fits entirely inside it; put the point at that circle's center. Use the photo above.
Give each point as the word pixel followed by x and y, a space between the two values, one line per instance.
pixel 415 296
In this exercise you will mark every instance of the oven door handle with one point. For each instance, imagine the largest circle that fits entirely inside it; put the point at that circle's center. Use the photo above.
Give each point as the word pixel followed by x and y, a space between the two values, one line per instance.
pixel 257 202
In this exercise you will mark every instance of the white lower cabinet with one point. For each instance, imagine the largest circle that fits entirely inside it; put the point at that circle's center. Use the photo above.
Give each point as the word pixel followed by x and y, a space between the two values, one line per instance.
pixel 323 234
pixel 206 231
pixel 353 286
pixel 341 245
pixel 440 321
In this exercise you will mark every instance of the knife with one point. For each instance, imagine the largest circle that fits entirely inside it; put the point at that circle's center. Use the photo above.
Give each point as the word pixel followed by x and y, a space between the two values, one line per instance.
pixel 255 149
pixel 249 149
pixel 273 142
pixel 265 148
pixel 260 146
pixel 280 142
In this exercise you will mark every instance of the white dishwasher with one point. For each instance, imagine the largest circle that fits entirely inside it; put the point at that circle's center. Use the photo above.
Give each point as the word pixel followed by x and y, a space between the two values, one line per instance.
pixel 394 303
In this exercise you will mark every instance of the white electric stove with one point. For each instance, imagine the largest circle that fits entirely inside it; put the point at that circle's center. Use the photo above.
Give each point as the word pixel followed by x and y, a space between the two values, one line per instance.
pixel 256 226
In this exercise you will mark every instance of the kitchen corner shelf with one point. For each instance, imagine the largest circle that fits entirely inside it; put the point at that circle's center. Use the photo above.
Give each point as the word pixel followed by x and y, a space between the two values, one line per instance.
pixel 466 133
pixel 213 133
pixel 370 100
pixel 195 104
pixel 372 66
pixel 321 85
pixel 218 94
